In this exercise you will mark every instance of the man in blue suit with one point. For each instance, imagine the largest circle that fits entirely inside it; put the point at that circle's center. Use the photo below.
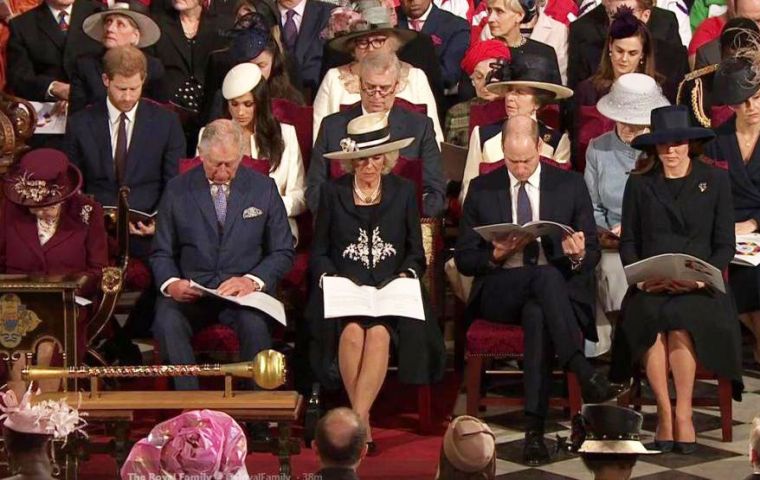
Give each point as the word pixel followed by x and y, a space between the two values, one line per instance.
pixel 302 22
pixel 224 228
pixel 450 34
pixel 124 139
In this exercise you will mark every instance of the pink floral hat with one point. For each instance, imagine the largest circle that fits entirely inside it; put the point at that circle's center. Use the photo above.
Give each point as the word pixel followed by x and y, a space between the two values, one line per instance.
pixel 49 417
pixel 196 444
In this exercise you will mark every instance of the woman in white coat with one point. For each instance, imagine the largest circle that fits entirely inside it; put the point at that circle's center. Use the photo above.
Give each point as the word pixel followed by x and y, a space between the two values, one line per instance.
pixel 359 33
pixel 248 103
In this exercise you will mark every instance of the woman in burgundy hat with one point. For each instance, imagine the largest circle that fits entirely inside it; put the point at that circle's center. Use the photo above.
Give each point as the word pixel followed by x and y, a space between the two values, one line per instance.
pixel 51 228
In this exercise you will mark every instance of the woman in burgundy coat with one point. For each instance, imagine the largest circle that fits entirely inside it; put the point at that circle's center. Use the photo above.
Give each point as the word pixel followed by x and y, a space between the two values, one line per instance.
pixel 50 228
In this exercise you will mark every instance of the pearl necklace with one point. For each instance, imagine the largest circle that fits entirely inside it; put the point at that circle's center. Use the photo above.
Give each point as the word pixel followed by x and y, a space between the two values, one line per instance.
pixel 369 200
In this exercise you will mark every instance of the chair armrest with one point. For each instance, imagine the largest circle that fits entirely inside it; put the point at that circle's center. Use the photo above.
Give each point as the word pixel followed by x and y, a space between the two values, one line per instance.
pixel 111 285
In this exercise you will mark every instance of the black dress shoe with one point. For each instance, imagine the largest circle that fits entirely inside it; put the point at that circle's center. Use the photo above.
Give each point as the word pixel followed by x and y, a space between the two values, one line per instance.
pixel 685 448
pixel 598 389
pixel 259 438
pixel 664 446
pixel 535 451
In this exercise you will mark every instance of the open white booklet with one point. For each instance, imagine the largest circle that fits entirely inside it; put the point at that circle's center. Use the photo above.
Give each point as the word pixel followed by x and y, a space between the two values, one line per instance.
pixel 747 250
pixel 400 298
pixel 539 228
pixel 675 266
pixel 256 300
pixel 49 121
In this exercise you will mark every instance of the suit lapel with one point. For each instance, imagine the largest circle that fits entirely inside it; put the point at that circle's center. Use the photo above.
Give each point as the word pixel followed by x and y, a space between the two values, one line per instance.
pixel 431 24
pixel 49 26
pixel 140 136
pixel 307 33
pixel 201 192
pixel 102 135
pixel 602 23
pixel 503 198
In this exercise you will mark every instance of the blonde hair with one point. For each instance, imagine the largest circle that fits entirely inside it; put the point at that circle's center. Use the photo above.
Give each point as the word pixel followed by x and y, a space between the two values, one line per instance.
pixel 512 5
pixel 391 158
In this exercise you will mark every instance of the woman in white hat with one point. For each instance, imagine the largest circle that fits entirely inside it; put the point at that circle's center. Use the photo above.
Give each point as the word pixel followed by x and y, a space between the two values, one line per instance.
pixel 609 158
pixel 120 25
pixel 370 29
pixel 246 93
pixel 368 230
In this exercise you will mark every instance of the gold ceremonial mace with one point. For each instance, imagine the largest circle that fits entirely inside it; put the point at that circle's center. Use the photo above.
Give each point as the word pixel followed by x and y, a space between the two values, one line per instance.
pixel 267 369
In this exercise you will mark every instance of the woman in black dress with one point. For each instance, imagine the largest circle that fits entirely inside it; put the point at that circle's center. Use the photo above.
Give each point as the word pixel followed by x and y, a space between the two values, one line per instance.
pixel 736 143
pixel 676 203
pixel 368 229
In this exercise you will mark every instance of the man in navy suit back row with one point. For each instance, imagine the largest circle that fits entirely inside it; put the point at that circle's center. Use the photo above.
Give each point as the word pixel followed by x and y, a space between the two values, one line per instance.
pixel 223 227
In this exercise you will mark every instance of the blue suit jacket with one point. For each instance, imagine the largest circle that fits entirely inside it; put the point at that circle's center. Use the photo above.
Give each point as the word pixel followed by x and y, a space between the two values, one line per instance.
pixel 189 243
pixel 307 53
pixel 454 35
pixel 156 145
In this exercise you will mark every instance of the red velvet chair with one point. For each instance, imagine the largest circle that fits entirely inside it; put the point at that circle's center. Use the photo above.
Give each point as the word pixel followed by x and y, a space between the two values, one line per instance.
pixel 591 124
pixel 495 111
pixel 487 341
pixel 432 241
pixel 301 117
pixel 398 102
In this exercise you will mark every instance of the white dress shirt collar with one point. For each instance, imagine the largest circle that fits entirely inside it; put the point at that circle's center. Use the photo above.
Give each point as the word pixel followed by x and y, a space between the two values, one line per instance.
pixel 534 180
pixel 114 113
pixel 299 9
pixel 56 11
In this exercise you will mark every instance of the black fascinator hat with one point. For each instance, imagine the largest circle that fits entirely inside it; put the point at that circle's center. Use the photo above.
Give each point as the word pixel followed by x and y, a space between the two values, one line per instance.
pixel 624 23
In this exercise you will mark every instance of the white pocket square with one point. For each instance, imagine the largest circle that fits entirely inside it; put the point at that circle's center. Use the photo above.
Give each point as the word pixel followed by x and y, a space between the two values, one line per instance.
pixel 251 212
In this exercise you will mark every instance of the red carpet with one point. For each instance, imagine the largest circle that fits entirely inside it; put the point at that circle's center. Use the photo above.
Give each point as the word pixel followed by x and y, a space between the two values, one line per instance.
pixel 403 453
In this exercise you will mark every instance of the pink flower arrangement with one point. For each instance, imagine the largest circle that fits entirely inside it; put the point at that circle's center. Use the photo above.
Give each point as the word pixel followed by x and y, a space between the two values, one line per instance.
pixel 50 417
pixel 200 444
pixel 342 20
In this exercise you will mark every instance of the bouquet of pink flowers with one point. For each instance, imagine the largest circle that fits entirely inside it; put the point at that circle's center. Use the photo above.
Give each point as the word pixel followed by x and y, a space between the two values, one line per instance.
pixel 199 444
pixel 343 19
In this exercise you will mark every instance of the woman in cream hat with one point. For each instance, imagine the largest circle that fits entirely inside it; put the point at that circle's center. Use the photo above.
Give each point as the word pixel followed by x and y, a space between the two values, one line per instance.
pixel 368 230
pixel 120 25
pixel 468 451
pixel 359 32
pixel 609 158
pixel 246 94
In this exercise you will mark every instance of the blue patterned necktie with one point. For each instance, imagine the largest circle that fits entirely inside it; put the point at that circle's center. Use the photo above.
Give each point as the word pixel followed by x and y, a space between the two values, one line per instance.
pixel 289 30
pixel 219 194
pixel 525 215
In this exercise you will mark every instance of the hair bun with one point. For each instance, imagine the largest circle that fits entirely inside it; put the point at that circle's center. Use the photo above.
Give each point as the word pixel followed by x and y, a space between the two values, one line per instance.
pixel 624 23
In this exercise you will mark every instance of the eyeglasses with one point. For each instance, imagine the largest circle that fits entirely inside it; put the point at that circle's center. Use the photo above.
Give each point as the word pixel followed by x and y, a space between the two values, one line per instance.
pixel 374 42
pixel 382 90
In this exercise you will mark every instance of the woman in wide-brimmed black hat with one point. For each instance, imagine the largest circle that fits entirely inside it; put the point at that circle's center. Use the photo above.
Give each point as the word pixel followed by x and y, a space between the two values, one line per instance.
pixel 736 143
pixel 675 203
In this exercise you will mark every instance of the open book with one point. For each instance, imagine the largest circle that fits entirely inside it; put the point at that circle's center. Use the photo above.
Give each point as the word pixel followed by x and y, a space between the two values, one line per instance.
pixel 134 215
pixel 747 250
pixel 256 300
pixel 539 228
pixel 400 298
pixel 675 266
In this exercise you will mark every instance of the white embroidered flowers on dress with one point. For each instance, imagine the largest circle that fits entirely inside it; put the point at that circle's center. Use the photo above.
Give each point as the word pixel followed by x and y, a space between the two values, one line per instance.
pixel 360 251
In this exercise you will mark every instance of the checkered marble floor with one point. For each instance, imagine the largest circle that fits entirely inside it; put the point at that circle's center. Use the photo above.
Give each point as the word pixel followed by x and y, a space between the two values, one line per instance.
pixel 713 459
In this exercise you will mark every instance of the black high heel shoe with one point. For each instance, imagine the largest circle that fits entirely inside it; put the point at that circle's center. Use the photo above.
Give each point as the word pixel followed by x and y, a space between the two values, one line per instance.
pixel 685 448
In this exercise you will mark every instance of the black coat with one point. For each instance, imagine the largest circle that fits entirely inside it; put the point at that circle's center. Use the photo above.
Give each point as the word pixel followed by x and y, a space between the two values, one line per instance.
pixel 589 33
pixel 87 82
pixel 180 60
pixel 698 222
pixel 39 53
pixel 564 199
pixel 341 229
pixel 451 37
pixel 403 123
